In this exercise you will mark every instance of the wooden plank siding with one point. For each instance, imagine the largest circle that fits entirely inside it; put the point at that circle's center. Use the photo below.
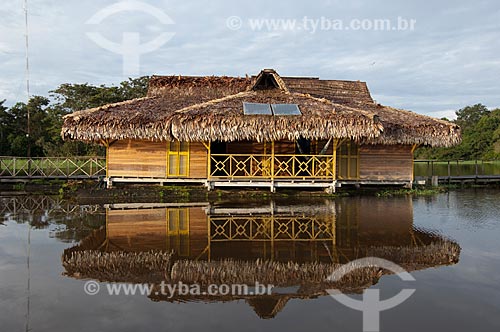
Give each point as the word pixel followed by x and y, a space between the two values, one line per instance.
pixel 146 159
pixel 197 161
pixel 147 229
pixel 386 162
pixel 137 230
pixel 131 158
pixel 143 159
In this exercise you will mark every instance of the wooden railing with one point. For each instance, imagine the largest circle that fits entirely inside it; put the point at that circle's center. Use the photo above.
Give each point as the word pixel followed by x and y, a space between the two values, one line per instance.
pixel 52 167
pixel 268 166
pixel 271 228
pixel 31 204
pixel 456 168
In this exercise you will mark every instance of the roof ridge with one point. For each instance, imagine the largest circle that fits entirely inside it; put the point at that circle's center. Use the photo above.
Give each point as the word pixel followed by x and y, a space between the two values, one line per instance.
pixel 213 101
pixel 105 107
pixel 419 114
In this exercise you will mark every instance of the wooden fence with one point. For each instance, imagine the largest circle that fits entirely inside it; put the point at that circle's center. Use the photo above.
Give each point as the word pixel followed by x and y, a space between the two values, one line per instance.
pixel 52 167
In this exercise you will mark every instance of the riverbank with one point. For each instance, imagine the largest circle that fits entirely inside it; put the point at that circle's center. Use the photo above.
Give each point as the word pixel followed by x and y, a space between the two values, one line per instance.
pixel 89 191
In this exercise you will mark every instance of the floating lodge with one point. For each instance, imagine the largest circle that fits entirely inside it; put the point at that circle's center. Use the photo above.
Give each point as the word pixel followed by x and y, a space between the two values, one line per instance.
pixel 294 247
pixel 263 131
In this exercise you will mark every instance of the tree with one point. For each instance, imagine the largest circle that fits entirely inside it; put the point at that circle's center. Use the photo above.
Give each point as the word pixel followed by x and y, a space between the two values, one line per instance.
pixel 469 116
pixel 77 97
pixel 24 142
pixel 6 128
pixel 480 136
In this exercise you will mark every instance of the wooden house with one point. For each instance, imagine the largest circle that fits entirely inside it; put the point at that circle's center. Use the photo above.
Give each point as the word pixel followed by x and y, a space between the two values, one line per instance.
pixel 263 131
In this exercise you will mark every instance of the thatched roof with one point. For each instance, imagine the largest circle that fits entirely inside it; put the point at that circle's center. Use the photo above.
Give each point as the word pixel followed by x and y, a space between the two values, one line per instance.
pixel 211 108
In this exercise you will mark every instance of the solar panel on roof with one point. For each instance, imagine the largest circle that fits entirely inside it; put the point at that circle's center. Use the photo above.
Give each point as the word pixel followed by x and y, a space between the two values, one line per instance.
pixel 286 109
pixel 256 109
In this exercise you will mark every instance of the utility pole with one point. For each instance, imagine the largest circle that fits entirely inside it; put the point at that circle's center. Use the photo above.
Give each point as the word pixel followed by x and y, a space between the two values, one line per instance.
pixel 28 134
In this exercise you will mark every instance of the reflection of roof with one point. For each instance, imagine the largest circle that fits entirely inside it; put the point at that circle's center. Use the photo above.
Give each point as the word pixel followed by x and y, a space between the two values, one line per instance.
pixel 156 266
pixel 210 108
pixel 268 306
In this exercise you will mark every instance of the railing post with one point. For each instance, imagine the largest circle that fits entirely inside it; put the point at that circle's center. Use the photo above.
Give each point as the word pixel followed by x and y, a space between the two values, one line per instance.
pixel 476 168
pixel 231 167
pixel 449 172
pixel 29 167
pixel 209 166
pixel 15 162
pixel 272 160
pixel 334 160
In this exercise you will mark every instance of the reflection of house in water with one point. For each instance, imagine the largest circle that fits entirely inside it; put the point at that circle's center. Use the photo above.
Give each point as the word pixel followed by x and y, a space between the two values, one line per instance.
pixel 228 238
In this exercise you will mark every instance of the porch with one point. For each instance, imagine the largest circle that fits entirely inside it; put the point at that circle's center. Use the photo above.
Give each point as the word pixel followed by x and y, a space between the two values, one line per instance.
pixel 321 164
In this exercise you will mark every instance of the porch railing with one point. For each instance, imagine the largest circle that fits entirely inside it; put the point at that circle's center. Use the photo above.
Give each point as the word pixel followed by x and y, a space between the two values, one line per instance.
pixel 52 167
pixel 236 166
pixel 275 228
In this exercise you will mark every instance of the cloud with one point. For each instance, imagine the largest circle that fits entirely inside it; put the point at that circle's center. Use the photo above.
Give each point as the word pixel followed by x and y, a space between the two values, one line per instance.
pixel 449 61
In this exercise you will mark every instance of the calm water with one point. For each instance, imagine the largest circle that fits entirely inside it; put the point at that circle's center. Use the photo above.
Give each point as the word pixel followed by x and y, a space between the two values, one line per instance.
pixel 449 243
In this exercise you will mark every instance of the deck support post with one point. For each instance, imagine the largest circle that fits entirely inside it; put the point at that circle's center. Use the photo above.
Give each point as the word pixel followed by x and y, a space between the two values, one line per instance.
pixel 332 188
pixel 273 188
pixel 209 185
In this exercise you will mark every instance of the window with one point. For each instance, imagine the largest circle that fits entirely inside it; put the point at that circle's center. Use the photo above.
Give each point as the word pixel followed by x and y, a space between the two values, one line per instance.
pixel 178 231
pixel 177 159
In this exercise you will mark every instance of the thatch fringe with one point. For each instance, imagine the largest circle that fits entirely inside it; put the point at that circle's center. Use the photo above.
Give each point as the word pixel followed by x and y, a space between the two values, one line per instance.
pixel 280 274
pixel 154 266
pixel 434 254
pixel 118 266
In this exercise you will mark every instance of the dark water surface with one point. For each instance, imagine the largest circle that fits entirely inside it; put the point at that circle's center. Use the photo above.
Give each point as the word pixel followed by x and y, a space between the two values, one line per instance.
pixel 449 243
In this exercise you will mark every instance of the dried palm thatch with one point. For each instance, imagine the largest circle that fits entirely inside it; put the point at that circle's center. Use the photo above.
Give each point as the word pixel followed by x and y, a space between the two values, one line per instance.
pixel 118 266
pixel 211 108
pixel 221 119
pixel 280 274
pixel 152 266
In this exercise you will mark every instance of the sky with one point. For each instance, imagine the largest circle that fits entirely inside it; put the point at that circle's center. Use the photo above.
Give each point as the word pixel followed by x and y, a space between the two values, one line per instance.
pixel 449 59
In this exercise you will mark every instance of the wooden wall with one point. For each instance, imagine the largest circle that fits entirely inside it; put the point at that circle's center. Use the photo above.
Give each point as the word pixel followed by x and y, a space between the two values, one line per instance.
pixel 197 161
pixel 146 229
pixel 137 230
pixel 386 162
pixel 130 158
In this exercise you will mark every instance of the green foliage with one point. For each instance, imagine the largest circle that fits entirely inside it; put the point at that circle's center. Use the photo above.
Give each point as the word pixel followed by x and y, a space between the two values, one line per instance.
pixel 480 136
pixel 413 192
pixel 46 118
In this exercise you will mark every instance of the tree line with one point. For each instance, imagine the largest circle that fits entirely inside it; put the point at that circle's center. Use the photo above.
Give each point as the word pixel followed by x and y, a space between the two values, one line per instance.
pixel 480 136
pixel 480 126
pixel 42 137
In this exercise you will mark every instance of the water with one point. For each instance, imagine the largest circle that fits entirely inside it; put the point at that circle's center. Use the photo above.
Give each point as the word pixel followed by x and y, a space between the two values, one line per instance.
pixel 448 242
